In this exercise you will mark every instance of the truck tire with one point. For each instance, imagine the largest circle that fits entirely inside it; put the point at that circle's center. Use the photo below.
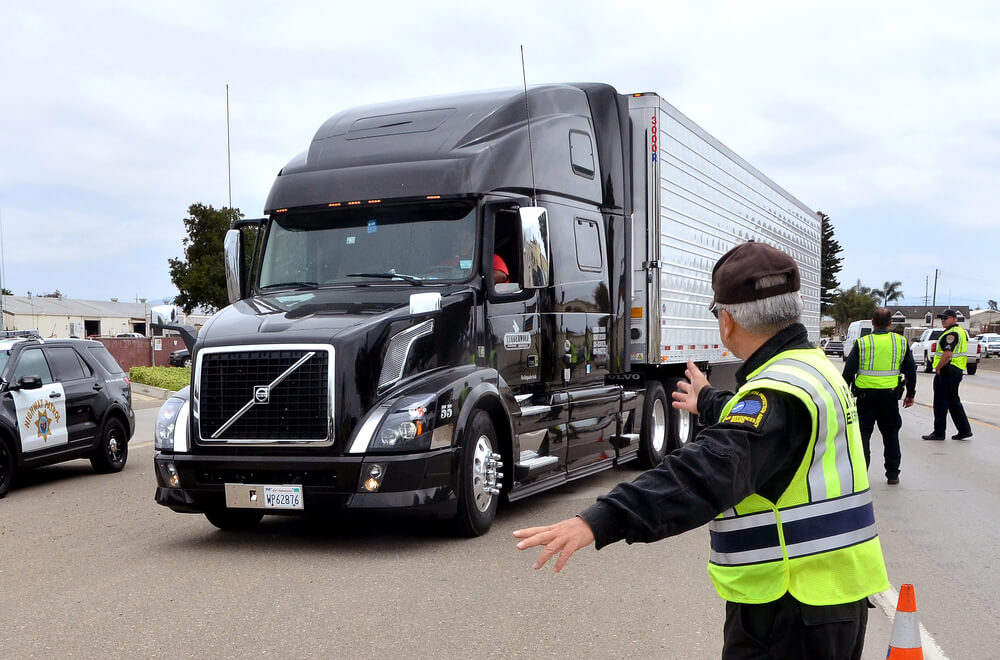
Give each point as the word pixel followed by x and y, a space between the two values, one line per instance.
pixel 6 467
pixel 928 364
pixel 234 520
pixel 971 368
pixel 477 475
pixel 112 450
pixel 654 437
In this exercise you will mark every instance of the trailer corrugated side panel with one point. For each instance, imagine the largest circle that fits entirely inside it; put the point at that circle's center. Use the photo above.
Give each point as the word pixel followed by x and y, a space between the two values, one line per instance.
pixel 694 200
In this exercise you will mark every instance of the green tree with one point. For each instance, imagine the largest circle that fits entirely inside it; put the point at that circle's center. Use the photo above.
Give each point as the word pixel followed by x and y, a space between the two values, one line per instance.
pixel 856 303
pixel 829 264
pixel 200 276
pixel 889 292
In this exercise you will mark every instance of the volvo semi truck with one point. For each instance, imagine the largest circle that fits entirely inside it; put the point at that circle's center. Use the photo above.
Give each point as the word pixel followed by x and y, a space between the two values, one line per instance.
pixel 370 361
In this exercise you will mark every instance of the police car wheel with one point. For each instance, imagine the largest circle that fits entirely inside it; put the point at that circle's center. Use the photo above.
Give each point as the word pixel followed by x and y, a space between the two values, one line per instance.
pixel 6 468
pixel 234 520
pixel 112 452
pixel 971 368
pixel 478 477
pixel 187 362
pixel 653 439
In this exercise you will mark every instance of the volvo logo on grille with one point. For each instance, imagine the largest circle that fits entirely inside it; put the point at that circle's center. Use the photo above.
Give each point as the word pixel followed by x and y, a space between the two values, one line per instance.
pixel 261 393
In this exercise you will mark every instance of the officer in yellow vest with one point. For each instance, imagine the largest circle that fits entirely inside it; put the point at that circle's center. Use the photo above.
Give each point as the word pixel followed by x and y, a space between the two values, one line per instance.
pixel 874 367
pixel 949 362
pixel 778 473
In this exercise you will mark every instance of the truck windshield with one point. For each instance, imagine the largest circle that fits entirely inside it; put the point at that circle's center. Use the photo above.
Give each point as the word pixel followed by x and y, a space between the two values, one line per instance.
pixel 417 243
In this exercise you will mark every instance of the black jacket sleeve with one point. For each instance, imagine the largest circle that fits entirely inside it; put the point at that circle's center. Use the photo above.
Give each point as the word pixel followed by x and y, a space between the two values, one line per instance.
pixel 723 465
pixel 710 404
pixel 909 370
pixel 851 368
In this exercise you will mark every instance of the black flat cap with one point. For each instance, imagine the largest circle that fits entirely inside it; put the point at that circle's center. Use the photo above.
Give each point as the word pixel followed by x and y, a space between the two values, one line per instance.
pixel 737 275
pixel 948 314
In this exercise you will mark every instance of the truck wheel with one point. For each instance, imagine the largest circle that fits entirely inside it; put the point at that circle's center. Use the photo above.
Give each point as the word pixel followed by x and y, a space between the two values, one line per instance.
pixel 971 368
pixel 478 477
pixel 234 520
pixel 112 451
pixel 6 468
pixel 928 364
pixel 683 428
pixel 653 439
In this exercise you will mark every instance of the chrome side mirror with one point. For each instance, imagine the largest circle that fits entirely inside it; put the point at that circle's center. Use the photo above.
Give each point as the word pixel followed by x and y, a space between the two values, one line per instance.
pixel 234 264
pixel 535 246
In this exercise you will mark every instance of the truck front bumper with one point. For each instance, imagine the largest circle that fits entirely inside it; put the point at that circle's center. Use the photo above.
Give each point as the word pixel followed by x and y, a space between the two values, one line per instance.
pixel 421 483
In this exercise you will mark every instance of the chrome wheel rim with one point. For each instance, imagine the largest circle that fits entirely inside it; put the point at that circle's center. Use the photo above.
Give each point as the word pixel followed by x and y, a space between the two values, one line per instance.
pixel 683 426
pixel 483 473
pixel 659 436
pixel 114 448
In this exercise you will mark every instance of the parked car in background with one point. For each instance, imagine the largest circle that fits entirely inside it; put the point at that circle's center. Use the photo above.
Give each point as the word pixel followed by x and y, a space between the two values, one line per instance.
pixel 834 347
pixel 990 341
pixel 180 358
pixel 134 335
pixel 61 399
pixel 924 346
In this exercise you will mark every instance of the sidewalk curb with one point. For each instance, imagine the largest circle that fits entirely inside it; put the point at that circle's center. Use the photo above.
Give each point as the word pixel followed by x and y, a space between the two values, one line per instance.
pixel 149 390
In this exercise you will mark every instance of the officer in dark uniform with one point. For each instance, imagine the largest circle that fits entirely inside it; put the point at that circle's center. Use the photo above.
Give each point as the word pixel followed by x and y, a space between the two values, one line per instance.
pixel 794 550
pixel 873 370
pixel 950 360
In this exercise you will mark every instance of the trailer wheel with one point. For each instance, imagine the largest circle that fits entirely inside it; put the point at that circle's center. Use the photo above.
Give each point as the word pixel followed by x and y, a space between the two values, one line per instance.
pixel 112 451
pixel 6 468
pixel 683 428
pixel 234 520
pixel 653 439
pixel 928 364
pixel 478 477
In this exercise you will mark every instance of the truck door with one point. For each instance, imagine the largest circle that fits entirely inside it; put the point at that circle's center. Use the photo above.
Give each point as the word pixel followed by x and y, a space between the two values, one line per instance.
pixel 41 412
pixel 518 339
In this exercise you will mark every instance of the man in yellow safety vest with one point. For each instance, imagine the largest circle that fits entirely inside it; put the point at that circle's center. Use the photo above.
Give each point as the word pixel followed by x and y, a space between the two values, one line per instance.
pixel 874 367
pixel 950 360
pixel 778 473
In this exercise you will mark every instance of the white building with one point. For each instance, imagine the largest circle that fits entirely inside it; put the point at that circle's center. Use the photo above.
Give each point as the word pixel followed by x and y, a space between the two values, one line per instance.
pixel 64 317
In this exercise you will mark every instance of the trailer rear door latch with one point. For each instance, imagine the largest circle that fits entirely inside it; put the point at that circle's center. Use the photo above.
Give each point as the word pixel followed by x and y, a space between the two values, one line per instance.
pixel 648 265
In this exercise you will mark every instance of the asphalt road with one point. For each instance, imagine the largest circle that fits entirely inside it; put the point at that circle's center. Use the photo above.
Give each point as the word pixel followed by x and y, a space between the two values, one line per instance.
pixel 92 567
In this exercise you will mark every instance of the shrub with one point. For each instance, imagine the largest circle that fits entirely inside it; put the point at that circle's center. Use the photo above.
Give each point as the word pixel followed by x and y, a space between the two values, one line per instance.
pixel 169 378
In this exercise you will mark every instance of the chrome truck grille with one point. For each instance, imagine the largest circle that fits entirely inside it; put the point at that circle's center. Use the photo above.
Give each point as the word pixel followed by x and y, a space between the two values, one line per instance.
pixel 260 395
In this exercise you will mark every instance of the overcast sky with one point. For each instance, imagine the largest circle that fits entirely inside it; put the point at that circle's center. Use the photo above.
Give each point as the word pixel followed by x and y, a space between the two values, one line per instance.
pixel 884 115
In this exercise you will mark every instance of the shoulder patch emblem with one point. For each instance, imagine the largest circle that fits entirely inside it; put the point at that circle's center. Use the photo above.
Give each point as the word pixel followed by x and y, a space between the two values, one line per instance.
pixel 750 410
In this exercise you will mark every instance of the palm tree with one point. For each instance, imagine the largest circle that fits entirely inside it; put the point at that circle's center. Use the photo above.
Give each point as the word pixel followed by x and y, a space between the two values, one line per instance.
pixel 889 292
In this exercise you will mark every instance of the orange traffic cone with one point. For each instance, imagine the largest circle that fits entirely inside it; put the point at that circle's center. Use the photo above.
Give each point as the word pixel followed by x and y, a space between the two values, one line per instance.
pixel 905 641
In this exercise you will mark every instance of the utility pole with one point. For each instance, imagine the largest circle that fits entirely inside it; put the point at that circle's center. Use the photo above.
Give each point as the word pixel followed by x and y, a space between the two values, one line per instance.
pixel 927 279
pixel 934 299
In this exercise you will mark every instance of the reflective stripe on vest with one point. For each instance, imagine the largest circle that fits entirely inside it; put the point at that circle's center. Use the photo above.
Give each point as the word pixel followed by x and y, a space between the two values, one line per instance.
pixel 959 357
pixel 808 529
pixel 880 358
pixel 818 541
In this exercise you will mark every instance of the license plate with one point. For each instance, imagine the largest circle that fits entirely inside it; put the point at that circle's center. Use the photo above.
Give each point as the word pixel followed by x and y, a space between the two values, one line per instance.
pixel 252 496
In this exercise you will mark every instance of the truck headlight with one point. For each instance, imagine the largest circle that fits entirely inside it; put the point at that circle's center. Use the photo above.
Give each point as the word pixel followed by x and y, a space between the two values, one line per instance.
pixel 170 430
pixel 409 426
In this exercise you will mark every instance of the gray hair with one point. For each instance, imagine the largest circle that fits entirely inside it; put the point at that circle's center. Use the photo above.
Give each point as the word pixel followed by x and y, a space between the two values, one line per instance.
pixel 766 316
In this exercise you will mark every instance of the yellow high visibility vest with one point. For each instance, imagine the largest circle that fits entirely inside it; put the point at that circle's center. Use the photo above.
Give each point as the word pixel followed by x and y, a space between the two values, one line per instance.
pixel 818 541
pixel 959 357
pixel 880 358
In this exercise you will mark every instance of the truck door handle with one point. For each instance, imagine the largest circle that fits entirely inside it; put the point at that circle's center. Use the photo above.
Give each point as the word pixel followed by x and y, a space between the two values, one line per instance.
pixel 98 387
pixel 55 395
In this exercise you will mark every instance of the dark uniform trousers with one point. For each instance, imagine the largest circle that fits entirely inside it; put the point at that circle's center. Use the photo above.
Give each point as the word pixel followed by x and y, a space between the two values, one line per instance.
pixel 786 629
pixel 946 401
pixel 882 407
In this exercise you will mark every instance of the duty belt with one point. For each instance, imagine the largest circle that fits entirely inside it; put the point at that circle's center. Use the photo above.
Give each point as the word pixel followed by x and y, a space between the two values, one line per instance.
pixel 808 529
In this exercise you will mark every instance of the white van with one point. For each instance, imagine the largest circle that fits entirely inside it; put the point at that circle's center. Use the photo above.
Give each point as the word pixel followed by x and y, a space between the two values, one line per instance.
pixel 855 331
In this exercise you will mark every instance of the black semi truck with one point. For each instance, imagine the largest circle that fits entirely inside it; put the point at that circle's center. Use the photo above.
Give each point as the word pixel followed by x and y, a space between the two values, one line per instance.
pixel 371 361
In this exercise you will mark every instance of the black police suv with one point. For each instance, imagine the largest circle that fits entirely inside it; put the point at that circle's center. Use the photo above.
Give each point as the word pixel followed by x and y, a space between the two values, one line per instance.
pixel 62 399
